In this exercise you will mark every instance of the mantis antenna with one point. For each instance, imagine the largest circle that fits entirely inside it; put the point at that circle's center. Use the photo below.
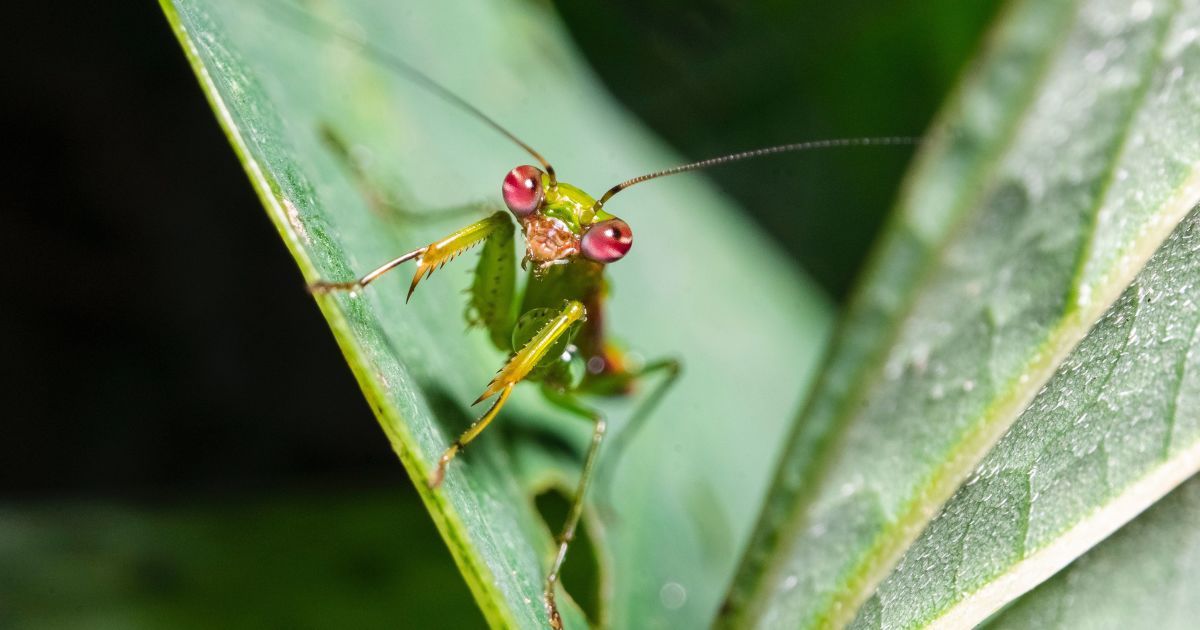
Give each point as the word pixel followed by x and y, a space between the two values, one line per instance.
pixel 306 24
pixel 746 155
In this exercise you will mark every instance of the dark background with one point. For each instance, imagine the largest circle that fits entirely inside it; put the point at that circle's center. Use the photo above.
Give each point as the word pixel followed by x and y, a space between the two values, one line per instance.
pixel 165 370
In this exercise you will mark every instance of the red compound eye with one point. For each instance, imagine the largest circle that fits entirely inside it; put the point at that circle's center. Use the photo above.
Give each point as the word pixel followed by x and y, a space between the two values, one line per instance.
pixel 607 241
pixel 523 190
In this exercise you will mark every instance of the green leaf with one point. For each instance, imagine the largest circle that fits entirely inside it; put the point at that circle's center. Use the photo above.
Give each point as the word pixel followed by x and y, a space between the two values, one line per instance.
pixel 1057 170
pixel 1143 577
pixel 700 284
pixel 1114 430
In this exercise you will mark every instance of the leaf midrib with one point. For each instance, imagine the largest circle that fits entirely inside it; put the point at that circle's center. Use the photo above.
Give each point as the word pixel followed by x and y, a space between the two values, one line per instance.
pixel 1069 331
pixel 873 369
pixel 1061 339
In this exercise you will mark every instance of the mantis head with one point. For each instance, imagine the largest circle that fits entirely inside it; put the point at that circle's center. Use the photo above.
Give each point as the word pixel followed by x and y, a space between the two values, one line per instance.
pixel 561 222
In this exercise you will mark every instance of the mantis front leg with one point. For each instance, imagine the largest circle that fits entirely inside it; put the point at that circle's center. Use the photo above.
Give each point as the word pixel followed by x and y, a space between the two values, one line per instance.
pixel 513 372
pixel 431 256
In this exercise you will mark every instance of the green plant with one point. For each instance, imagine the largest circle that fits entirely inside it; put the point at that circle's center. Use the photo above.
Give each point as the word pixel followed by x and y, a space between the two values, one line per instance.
pixel 1040 245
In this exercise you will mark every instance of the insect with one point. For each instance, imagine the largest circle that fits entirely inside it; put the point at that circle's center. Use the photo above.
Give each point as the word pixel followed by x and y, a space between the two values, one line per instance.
pixel 553 326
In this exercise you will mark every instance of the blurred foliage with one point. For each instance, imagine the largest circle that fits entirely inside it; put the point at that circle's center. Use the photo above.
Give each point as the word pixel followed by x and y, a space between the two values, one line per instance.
pixel 710 77
pixel 312 560
pixel 717 76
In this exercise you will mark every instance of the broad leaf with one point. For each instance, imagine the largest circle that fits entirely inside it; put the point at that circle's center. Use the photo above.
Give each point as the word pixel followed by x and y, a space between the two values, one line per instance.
pixel 1143 577
pixel 1067 157
pixel 1115 429
pixel 700 284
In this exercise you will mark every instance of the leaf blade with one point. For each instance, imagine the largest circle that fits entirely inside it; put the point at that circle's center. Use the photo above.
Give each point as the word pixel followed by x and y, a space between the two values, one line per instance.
pixel 1144 576
pixel 1109 435
pixel 842 470
pixel 413 363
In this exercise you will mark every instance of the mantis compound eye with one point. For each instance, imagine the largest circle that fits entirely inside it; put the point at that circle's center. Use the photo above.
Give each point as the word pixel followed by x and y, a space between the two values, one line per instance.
pixel 523 190
pixel 607 241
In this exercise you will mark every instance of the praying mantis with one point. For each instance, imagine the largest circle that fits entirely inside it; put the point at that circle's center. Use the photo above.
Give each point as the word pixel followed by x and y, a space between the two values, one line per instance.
pixel 552 326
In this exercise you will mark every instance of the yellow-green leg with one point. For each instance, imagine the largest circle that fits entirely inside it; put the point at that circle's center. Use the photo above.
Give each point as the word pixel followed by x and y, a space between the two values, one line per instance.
pixel 471 433
pixel 570 403
pixel 567 534
pixel 513 372
pixel 430 257
pixel 671 369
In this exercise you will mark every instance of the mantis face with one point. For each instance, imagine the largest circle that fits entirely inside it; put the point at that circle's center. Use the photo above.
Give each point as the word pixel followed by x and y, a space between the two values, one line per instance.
pixel 560 221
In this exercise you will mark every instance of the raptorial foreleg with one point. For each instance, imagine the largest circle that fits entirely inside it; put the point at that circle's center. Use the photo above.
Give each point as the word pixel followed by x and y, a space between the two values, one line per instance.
pixel 430 257
pixel 517 368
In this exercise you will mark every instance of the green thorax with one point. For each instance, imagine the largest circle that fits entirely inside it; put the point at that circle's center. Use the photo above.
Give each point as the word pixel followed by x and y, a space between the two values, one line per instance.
pixel 575 278
pixel 579 279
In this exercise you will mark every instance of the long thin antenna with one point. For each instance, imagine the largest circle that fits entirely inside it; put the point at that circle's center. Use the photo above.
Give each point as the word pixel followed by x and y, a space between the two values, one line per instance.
pixel 746 155
pixel 314 27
